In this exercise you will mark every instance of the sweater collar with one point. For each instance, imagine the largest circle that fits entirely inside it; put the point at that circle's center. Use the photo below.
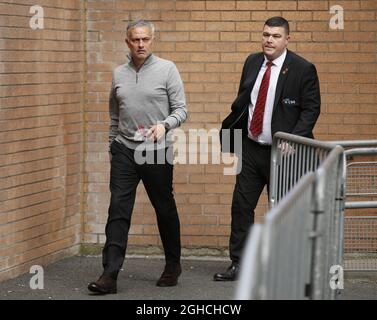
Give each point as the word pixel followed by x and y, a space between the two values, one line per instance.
pixel 149 60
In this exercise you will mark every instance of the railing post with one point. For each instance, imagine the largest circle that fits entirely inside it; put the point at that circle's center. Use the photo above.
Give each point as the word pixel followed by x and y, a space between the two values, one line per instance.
pixel 274 163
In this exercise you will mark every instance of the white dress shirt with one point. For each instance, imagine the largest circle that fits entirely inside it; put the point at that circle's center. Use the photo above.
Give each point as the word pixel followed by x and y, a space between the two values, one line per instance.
pixel 265 137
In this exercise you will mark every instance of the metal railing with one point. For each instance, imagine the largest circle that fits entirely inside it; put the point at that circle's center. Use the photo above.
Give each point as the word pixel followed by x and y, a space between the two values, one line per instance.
pixel 303 155
pixel 360 243
pixel 365 182
pixel 328 230
pixel 360 235
pixel 291 253
pixel 280 271
pixel 362 178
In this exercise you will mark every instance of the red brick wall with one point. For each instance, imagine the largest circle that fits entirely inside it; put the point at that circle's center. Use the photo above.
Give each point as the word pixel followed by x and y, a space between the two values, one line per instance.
pixel 209 41
pixel 41 127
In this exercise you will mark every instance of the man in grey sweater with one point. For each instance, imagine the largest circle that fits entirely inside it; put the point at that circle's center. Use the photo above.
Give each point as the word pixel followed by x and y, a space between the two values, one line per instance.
pixel 146 101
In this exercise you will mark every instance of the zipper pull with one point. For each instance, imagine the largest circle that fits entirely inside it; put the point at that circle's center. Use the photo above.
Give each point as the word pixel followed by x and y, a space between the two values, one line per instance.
pixel 137 77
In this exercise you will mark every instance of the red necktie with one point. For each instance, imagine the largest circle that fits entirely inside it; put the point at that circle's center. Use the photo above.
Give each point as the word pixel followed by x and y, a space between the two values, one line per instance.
pixel 256 122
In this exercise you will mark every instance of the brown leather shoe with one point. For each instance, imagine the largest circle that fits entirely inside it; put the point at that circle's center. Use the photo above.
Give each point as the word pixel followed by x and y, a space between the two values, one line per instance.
pixel 169 277
pixel 103 285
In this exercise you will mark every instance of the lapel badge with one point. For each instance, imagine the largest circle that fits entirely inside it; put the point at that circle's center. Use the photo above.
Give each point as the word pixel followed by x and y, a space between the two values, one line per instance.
pixel 285 71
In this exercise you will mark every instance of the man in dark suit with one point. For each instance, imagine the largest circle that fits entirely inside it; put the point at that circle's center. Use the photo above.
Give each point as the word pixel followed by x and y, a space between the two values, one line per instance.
pixel 279 91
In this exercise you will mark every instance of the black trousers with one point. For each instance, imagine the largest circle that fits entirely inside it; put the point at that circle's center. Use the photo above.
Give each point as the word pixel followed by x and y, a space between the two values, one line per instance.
pixel 254 175
pixel 125 176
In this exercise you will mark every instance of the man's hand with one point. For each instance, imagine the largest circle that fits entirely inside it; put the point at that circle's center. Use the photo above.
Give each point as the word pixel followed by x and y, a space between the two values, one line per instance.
pixel 156 132
pixel 286 149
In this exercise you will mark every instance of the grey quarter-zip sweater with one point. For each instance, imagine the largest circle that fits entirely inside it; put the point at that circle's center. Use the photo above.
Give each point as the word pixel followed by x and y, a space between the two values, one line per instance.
pixel 140 99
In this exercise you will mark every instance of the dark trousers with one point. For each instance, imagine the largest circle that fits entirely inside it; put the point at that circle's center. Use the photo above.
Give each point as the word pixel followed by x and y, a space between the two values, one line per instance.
pixel 254 175
pixel 124 178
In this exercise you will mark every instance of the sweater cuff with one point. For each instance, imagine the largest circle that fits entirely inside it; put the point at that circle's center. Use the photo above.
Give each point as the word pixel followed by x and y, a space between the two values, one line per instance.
pixel 170 123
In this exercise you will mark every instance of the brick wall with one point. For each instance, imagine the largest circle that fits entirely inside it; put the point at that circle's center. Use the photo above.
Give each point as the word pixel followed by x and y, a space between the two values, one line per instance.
pixel 209 41
pixel 41 127
pixel 54 146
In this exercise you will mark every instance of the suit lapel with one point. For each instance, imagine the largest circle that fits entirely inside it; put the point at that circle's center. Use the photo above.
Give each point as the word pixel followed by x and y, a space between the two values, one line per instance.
pixel 282 78
pixel 252 77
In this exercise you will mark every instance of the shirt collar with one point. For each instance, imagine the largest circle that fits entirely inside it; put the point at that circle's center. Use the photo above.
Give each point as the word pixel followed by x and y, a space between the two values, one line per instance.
pixel 278 61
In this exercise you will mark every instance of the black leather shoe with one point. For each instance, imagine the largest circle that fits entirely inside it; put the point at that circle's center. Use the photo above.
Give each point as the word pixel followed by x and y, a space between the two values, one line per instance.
pixel 230 274
pixel 169 277
pixel 103 285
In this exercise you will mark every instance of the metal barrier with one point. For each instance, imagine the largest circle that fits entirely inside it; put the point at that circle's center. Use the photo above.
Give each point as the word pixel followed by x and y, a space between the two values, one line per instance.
pixel 280 250
pixel 249 272
pixel 301 237
pixel 292 157
pixel 362 178
pixel 360 235
pixel 364 183
pixel 360 243
pixel 328 229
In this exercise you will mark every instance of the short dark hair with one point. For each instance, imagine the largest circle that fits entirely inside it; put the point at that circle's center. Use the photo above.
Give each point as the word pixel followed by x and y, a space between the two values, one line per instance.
pixel 278 22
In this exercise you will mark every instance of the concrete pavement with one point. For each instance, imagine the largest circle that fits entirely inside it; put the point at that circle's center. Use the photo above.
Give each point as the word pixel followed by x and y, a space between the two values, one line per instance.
pixel 67 280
